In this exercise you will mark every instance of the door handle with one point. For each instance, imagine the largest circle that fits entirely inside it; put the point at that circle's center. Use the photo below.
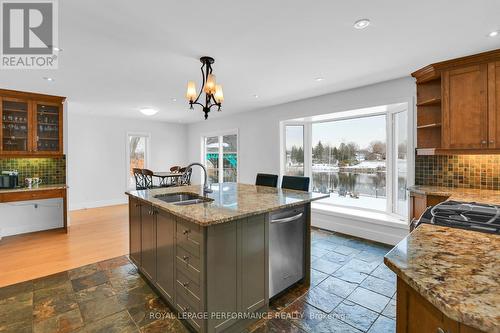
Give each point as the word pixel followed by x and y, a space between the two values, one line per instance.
pixel 288 219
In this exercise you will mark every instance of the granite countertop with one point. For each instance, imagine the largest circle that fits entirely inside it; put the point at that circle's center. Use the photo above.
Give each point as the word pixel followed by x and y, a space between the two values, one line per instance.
pixel 457 270
pixel 231 201
pixel 460 194
pixel 34 188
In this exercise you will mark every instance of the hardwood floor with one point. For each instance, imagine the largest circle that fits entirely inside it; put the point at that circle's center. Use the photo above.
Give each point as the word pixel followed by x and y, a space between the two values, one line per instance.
pixel 94 235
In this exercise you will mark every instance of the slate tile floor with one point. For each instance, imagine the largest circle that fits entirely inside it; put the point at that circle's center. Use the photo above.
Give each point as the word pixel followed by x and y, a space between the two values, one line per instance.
pixel 351 291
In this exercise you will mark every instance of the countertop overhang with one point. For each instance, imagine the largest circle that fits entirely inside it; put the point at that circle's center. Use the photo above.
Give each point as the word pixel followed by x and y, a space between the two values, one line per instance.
pixel 459 194
pixel 456 270
pixel 231 201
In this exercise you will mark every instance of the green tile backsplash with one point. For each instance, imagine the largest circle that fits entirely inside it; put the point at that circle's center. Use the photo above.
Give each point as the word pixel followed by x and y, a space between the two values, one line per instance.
pixel 51 170
pixel 463 171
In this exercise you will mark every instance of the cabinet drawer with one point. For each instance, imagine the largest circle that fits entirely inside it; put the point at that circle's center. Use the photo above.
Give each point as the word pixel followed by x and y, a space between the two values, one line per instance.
pixel 189 236
pixel 31 195
pixel 186 285
pixel 188 264
pixel 188 311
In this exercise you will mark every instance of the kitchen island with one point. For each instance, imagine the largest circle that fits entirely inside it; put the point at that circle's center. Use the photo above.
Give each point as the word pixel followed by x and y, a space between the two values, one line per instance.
pixel 448 281
pixel 208 254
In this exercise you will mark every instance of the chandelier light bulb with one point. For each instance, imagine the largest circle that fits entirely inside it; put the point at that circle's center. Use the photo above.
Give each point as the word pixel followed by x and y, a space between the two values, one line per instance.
pixel 210 84
pixel 191 91
pixel 219 95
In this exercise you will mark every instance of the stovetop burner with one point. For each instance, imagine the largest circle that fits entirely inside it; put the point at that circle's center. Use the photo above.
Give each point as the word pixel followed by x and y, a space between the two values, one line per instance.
pixel 466 215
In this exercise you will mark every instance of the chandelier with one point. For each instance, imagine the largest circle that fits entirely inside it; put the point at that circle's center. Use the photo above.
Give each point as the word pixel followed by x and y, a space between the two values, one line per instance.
pixel 213 92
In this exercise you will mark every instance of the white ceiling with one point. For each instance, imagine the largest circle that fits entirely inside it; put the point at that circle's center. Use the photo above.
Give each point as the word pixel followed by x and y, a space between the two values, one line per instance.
pixel 122 55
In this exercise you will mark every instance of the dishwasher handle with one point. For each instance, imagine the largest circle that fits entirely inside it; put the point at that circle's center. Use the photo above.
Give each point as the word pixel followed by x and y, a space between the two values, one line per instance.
pixel 288 219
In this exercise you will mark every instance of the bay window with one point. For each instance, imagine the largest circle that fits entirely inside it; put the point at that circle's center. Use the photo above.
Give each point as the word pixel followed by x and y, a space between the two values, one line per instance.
pixel 359 157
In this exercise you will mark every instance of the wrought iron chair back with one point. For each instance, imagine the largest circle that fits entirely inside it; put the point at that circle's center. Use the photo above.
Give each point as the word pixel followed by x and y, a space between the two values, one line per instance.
pixel 148 178
pixel 186 177
pixel 139 179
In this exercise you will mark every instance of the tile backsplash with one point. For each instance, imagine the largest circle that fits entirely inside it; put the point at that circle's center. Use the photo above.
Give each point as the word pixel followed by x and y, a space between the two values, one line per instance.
pixel 463 171
pixel 51 170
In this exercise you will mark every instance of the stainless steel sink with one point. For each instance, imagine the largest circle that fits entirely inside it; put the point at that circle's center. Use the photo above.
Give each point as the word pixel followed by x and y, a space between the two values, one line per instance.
pixel 182 199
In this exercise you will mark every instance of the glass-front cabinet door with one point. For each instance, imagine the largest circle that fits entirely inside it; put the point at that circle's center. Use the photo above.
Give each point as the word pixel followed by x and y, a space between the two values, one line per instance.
pixel 48 129
pixel 15 119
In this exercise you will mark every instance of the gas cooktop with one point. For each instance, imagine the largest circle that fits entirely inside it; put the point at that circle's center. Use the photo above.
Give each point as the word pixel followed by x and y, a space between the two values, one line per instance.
pixel 465 215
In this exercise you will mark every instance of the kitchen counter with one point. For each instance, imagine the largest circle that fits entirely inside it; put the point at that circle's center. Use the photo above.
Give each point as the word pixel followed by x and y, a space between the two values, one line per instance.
pixel 231 201
pixel 459 194
pixel 43 187
pixel 457 271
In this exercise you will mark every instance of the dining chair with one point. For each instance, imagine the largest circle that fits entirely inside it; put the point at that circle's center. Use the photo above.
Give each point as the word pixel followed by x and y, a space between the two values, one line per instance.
pixel 185 179
pixel 148 178
pixel 266 179
pixel 139 178
pixel 295 183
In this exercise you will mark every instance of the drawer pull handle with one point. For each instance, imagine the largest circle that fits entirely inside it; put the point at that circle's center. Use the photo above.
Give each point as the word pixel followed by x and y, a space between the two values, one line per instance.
pixel 440 330
pixel 185 232
pixel 185 258
pixel 185 284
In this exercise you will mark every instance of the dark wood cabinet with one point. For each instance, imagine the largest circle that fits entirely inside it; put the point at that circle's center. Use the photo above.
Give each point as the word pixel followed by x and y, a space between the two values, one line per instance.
pixel 419 203
pixel 148 241
pixel 31 124
pixel 135 231
pixel 165 253
pixel 458 108
pixel 414 314
pixel 494 105
pixel 465 108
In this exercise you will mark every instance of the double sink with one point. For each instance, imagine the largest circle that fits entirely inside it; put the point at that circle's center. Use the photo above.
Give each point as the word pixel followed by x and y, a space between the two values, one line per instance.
pixel 182 199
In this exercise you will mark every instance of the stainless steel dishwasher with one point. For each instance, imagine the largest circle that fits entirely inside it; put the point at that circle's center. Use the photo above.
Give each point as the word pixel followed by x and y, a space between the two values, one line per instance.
pixel 286 248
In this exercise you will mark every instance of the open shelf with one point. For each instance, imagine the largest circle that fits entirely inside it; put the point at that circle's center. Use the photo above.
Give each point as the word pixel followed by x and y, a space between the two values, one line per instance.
pixel 430 101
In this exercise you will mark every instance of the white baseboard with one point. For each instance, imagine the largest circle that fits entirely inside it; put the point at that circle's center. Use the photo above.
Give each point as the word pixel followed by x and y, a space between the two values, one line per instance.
pixel 360 227
pixel 96 204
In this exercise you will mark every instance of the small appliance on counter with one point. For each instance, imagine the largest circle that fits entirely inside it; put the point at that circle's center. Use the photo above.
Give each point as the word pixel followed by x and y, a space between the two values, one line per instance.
pixel 464 215
pixel 9 179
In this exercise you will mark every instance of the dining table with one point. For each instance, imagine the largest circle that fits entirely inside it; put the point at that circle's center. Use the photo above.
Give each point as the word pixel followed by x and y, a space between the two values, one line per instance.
pixel 167 177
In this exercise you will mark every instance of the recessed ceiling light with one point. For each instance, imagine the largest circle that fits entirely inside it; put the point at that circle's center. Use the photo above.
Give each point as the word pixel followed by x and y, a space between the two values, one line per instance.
pixel 255 96
pixel 493 34
pixel 361 24
pixel 174 99
pixel 148 111
pixel 57 49
pixel 46 78
pixel 319 79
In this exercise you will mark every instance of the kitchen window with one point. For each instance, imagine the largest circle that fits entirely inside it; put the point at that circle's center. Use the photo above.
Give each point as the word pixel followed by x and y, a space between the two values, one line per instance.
pixel 220 156
pixel 359 157
pixel 137 155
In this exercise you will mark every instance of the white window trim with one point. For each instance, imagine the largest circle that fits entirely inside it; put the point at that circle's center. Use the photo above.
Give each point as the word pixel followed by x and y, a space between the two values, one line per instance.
pixel 390 184
pixel 220 134
pixel 127 153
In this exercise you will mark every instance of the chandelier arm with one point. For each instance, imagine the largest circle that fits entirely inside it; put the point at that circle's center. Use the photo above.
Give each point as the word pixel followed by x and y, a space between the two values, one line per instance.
pixel 197 103
pixel 202 84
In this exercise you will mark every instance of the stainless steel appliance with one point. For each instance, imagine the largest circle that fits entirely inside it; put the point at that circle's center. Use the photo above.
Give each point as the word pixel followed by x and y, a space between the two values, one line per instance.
pixel 465 215
pixel 286 248
pixel 9 179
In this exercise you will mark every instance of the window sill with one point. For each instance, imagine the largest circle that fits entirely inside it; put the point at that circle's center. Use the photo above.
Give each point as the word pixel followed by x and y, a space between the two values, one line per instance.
pixel 380 218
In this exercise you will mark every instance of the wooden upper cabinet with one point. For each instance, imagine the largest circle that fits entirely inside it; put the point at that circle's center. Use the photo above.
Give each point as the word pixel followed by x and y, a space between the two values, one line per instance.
pixel 494 105
pixel 465 108
pixel 31 124
pixel 468 105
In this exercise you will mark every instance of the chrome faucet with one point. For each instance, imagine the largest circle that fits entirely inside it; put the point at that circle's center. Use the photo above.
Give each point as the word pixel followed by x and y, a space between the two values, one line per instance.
pixel 206 189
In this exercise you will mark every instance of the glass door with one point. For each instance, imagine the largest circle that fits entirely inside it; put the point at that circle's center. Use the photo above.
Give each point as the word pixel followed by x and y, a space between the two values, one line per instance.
pixel 230 158
pixel 15 126
pixel 48 120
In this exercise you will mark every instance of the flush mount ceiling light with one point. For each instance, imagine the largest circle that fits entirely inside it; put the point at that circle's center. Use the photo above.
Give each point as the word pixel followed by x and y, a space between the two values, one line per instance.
pixel 213 92
pixel 493 34
pixel 148 111
pixel 361 24
pixel 319 79
pixel 46 78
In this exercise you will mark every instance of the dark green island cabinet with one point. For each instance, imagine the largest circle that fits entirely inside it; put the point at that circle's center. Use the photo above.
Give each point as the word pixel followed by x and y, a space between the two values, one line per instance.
pixel 212 274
